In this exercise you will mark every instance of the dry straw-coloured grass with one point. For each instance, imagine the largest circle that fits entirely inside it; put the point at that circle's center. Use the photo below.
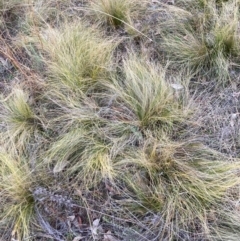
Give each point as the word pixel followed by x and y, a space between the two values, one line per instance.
pixel 18 118
pixel 79 55
pixel 182 181
pixel 83 155
pixel 113 12
pixel 205 41
pixel 17 203
pixel 111 128
pixel 144 89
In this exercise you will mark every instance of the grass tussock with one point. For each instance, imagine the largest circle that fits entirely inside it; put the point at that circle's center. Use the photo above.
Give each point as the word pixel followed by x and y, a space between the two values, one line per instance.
pixel 209 43
pixel 19 119
pixel 71 109
pixel 87 158
pixel 17 204
pixel 146 92
pixel 183 181
pixel 113 12
pixel 79 56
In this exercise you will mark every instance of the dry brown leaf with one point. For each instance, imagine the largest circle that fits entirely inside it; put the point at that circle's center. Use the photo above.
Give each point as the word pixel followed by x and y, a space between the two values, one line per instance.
pixel 71 218
pixel 78 238
pixel 96 222
pixel 60 166
pixel 109 237
pixel 95 227
pixel 177 86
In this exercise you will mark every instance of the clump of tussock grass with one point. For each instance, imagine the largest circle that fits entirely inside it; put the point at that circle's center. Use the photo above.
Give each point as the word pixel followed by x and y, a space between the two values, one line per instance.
pixel 113 12
pixel 144 90
pixel 209 43
pixel 87 158
pixel 17 203
pixel 19 119
pixel 180 181
pixel 70 109
pixel 78 55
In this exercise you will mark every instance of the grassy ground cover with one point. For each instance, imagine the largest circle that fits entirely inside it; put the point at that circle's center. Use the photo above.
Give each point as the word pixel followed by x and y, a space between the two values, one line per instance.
pixel 119 120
